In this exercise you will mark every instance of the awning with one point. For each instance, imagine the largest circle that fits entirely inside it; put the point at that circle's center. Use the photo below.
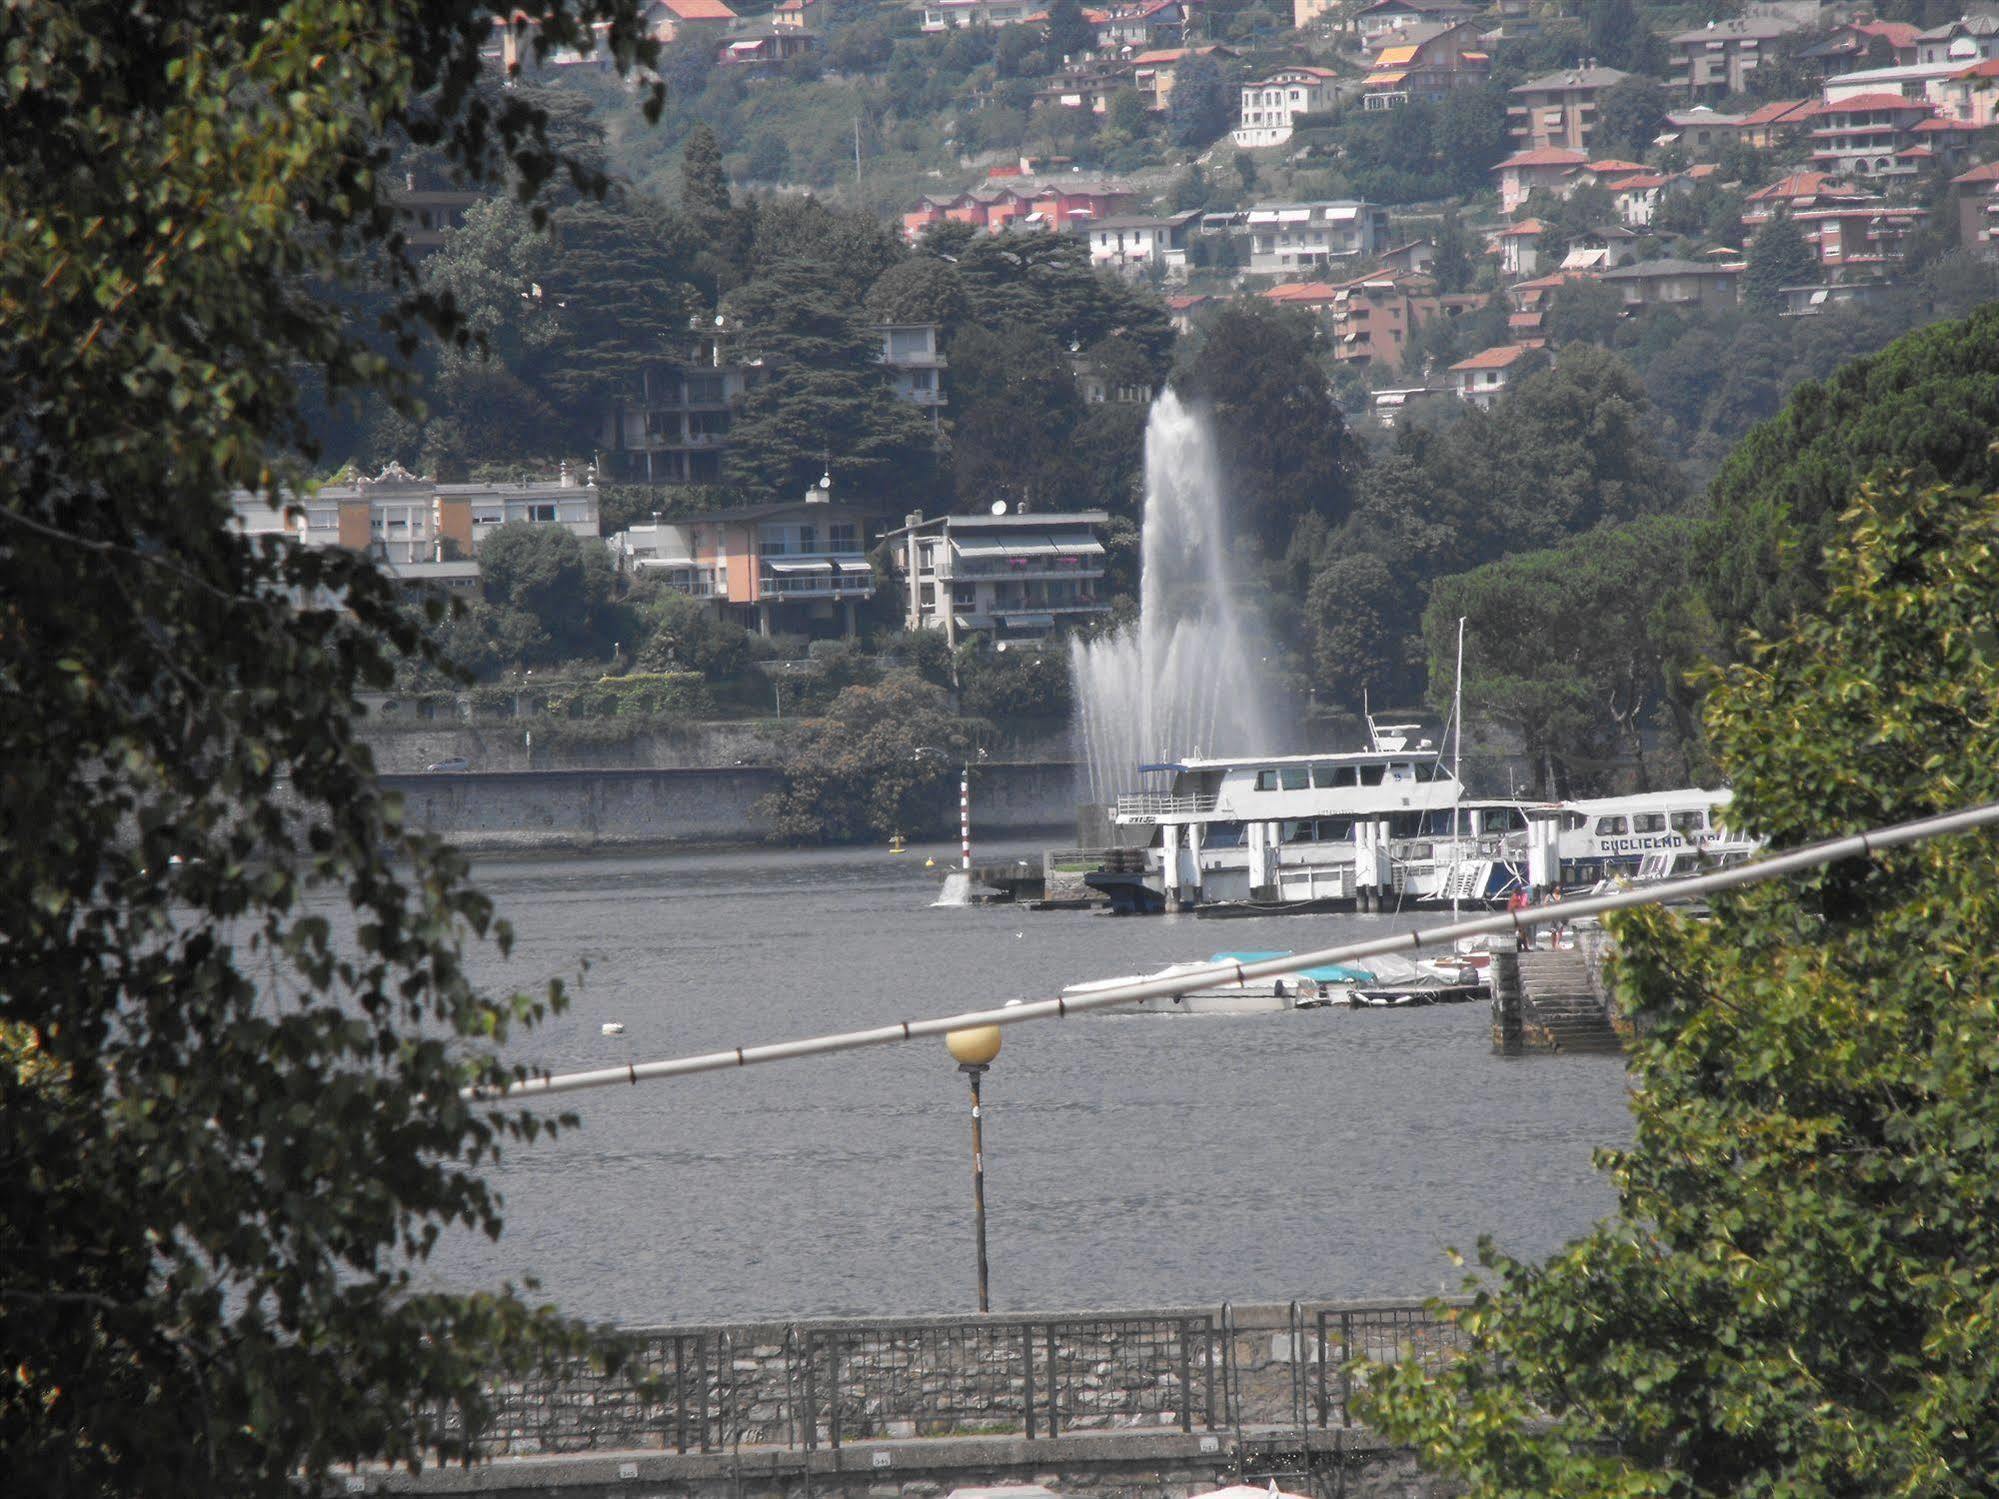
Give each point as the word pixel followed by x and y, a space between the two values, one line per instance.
pixel 1026 621
pixel 854 567
pixel 1029 546
pixel 778 565
pixel 1078 544
pixel 978 548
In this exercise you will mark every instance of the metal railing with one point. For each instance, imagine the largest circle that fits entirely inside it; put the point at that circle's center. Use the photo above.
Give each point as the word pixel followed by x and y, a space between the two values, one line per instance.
pixel 1153 804
pixel 1391 1333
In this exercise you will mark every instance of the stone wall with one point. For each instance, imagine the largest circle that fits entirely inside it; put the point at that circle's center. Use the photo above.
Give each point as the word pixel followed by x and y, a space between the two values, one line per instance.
pixel 581 809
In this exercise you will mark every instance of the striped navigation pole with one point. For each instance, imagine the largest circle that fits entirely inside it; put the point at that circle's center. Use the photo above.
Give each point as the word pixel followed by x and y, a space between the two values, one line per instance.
pixel 965 815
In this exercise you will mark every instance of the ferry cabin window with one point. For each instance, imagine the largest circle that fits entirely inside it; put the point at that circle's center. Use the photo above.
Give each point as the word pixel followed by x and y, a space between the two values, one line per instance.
pixel 1405 824
pixel 1332 777
pixel 1335 830
pixel 1648 822
pixel 1501 820
pixel 1573 820
pixel 1297 778
pixel 1266 780
pixel 1608 827
pixel 1689 822
pixel 1370 775
pixel 1222 835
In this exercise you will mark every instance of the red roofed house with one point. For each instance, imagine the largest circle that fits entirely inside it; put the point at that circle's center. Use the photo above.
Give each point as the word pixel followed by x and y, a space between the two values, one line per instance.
pixel 1155 73
pixel 1864 135
pixel 1638 196
pixel 1971 96
pixel 1058 205
pixel 1861 235
pixel 1862 44
pixel 1481 378
pixel 1525 172
pixel 798 13
pixel 1787 194
pixel 1149 23
pixel 1771 124
pixel 668 20
pixel 1520 248
pixel 1530 301
pixel 1977 193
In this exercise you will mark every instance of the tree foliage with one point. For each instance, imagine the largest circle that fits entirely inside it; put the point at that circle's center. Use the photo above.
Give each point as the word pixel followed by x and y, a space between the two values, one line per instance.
pixel 238 1023
pixel 1928 404
pixel 856 774
pixel 1779 256
pixel 1796 1291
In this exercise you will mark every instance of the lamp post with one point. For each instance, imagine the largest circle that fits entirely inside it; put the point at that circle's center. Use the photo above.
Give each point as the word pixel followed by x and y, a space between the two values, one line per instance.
pixel 974 1050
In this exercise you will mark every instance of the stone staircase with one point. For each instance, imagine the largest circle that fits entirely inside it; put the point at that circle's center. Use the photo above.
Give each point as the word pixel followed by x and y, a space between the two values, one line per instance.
pixel 1560 1011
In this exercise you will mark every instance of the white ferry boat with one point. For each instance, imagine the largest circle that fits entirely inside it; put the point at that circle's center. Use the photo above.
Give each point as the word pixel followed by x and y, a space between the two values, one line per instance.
pixel 1281 830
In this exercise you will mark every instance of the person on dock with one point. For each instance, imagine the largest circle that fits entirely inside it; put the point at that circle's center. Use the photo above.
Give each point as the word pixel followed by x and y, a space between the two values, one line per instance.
pixel 1520 900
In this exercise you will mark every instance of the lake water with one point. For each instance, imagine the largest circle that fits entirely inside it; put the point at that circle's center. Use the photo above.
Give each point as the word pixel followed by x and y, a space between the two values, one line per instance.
pixel 1131 1160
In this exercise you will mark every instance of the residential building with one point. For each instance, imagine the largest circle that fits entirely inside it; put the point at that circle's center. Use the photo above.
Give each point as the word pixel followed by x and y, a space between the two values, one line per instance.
pixel 1860 238
pixel 1155 73
pixel 1290 237
pixel 1675 283
pixel 1083 86
pixel 1269 105
pixel 1412 257
pixel 1183 309
pixel 915 368
pixel 786 568
pixel 1482 378
pixel 1060 203
pixel 1809 301
pixel 1558 110
pixel 799 13
pixel 1530 302
pixel 417 528
pixel 1788 194
pixel 1773 124
pixel 1136 244
pixel 1305 12
pixel 1525 173
pixel 1703 132
pixel 1009 577
pixel 1863 44
pixel 958 15
pixel 1372 317
pixel 1100 387
pixel 1600 249
pixel 1970 97
pixel 765 44
pixel 1140 26
pixel 1519 248
pixel 669 20
pixel 426 214
pixel 675 427
pixel 1867 135
pixel 1378 22
pixel 1965 40
pixel 1391 408
pixel 1916 82
pixel 1638 197
pixel 1721 58
pixel 1977 194
pixel 1425 63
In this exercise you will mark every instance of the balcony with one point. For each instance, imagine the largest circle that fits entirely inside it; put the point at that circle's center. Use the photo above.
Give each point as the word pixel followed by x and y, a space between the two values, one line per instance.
pixel 1152 805
pixel 815 577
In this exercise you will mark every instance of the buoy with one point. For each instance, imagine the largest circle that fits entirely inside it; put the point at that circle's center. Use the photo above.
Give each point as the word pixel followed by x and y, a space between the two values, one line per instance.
pixel 929 863
pixel 895 843
pixel 614 1027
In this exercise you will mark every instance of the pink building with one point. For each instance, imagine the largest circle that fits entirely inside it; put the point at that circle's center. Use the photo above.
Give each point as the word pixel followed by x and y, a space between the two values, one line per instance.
pixel 1522 173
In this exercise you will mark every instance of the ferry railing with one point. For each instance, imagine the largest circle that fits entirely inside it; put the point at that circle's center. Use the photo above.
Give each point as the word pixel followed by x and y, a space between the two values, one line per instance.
pixel 1150 804
pixel 1390 1333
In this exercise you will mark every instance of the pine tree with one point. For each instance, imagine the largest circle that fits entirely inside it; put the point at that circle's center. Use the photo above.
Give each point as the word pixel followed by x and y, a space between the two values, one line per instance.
pixel 1779 256
pixel 704 186
pixel 1070 34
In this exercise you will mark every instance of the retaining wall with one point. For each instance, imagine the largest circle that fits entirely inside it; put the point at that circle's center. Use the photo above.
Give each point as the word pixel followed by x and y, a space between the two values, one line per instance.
pixel 609 808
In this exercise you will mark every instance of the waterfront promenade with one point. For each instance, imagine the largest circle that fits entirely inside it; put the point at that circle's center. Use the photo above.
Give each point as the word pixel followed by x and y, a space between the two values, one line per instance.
pixel 1092 1404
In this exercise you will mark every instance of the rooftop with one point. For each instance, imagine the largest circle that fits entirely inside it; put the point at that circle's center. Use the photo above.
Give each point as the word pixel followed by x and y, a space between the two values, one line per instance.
pixel 1545 156
pixel 1498 358
pixel 1598 77
pixel 1647 270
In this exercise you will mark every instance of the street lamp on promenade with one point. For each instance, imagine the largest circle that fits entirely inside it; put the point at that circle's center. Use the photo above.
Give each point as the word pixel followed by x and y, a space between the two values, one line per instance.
pixel 974 1050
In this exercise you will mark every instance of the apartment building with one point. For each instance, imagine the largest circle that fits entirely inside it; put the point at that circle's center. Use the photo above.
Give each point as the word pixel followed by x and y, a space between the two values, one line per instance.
pixel 1139 244
pixel 796 568
pixel 1270 105
pixel 1009 577
pixel 1559 110
pixel 1722 57
pixel 419 529
pixel 1285 238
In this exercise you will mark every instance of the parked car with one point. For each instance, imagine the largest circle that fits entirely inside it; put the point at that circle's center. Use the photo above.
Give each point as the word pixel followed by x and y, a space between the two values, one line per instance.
pixel 456 762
